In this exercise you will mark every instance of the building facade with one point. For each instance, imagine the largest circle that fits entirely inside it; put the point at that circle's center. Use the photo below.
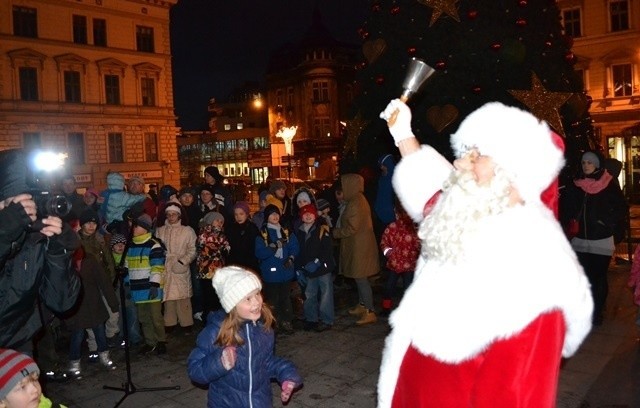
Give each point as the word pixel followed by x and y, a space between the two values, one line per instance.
pixel 606 41
pixel 311 86
pixel 237 141
pixel 92 79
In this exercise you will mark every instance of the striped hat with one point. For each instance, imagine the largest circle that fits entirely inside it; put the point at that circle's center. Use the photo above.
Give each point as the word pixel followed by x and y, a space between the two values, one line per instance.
pixel 14 366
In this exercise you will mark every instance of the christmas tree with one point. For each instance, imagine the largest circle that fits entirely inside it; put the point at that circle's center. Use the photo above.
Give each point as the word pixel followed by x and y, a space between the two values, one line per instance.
pixel 512 51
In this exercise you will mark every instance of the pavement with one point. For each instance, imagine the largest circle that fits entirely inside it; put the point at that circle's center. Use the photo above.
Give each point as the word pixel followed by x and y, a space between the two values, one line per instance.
pixel 340 366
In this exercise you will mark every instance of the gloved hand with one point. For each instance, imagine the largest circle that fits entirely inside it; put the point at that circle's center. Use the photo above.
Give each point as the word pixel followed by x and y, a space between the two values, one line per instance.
pixel 65 241
pixel 153 291
pixel 401 128
pixel 288 263
pixel 228 357
pixel 287 388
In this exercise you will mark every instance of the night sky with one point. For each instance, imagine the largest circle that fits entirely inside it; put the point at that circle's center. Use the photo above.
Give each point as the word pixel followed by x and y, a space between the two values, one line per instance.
pixel 217 45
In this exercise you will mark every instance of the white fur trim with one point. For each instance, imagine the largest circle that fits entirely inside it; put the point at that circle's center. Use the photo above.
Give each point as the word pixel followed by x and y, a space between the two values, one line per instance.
pixel 516 141
pixel 418 177
pixel 518 266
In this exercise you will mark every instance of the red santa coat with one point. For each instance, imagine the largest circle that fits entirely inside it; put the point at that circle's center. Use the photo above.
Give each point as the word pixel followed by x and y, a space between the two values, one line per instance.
pixel 488 331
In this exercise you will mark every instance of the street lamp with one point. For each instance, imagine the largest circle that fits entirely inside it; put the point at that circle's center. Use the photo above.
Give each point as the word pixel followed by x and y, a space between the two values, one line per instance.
pixel 287 134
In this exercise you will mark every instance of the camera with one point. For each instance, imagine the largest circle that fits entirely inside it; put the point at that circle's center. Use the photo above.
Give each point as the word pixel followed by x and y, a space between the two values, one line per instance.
pixel 42 168
pixel 50 204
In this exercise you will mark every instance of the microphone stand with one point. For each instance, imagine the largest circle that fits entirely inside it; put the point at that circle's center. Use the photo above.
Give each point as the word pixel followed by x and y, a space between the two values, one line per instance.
pixel 128 387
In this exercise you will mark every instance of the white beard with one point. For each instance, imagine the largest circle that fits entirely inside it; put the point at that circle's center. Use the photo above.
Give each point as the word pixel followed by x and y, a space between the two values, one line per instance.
pixel 458 212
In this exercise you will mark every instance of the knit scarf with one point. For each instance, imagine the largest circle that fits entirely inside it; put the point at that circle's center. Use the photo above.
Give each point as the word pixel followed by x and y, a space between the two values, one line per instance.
pixel 276 228
pixel 593 186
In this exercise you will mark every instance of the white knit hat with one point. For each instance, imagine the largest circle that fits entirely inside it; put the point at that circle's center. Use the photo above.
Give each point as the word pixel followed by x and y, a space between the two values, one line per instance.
pixel 232 284
pixel 517 142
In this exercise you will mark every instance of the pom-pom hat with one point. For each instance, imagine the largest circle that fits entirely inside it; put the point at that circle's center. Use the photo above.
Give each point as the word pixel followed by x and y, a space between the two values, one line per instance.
pixel 232 284
pixel 14 366
pixel 516 141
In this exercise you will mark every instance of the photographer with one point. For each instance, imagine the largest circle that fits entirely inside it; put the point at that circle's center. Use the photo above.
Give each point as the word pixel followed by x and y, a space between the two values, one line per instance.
pixel 34 257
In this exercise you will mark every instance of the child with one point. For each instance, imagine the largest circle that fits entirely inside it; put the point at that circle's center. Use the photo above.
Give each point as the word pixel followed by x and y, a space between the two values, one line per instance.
pixel 315 262
pixel 19 386
pixel 276 250
pixel 145 260
pixel 93 243
pixel 212 250
pixel 324 211
pixel 234 353
pixel 91 312
pixel 118 243
pixel 401 246
pixel 242 235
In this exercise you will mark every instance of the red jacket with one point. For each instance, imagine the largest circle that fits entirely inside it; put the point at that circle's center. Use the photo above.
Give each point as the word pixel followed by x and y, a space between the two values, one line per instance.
pixel 400 245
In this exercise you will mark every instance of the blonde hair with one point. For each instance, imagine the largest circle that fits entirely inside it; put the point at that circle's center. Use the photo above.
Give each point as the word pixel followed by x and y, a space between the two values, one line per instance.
pixel 32 377
pixel 230 328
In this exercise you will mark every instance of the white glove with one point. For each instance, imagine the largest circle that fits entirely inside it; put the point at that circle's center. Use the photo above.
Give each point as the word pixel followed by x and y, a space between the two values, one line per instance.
pixel 401 128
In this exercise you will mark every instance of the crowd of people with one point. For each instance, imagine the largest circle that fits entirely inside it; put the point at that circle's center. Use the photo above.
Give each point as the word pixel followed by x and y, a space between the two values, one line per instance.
pixel 193 259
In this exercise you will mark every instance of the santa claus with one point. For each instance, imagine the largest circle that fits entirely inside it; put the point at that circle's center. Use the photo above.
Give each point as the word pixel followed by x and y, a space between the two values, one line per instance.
pixel 499 296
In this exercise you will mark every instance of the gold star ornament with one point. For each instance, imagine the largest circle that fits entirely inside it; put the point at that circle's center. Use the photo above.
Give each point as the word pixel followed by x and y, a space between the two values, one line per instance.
pixel 447 7
pixel 354 127
pixel 542 103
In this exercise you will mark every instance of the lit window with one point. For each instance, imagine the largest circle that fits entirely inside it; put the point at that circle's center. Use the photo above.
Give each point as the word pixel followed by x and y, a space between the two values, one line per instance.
pixel 227 126
pixel 622 80
pixel 239 126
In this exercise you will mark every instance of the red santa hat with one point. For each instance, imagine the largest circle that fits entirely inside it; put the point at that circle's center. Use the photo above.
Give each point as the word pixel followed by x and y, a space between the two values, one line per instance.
pixel 517 142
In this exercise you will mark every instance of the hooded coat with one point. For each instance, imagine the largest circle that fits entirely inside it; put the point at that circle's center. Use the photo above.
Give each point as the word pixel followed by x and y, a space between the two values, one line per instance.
pixel 358 247
pixel 180 241
pixel 248 383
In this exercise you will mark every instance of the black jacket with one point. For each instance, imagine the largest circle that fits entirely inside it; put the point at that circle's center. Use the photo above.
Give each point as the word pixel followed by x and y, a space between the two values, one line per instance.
pixel 40 271
pixel 242 239
pixel 599 215
pixel 315 244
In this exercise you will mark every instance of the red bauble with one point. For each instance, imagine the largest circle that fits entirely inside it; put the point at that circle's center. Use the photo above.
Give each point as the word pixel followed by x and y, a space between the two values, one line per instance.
pixel 523 3
pixel 476 89
pixel 380 79
pixel 411 51
pixel 496 46
pixel 395 10
pixel 472 14
pixel 440 65
pixel 376 7
pixel 521 22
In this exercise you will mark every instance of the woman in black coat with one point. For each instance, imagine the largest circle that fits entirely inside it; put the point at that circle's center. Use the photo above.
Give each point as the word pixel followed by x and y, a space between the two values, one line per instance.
pixel 594 205
pixel 242 234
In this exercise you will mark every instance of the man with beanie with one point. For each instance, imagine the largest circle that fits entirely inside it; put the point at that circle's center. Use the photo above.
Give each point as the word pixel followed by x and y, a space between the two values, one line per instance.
pixel 485 322
pixel 221 194
pixel 145 261
pixel 35 258
pixel 19 386
pixel 278 189
pixel 137 187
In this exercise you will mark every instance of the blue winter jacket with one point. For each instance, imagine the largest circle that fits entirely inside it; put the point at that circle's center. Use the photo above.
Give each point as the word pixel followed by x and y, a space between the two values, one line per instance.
pixel 248 383
pixel 272 269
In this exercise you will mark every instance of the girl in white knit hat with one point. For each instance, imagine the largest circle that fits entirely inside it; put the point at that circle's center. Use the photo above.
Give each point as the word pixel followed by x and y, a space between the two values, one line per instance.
pixel 234 352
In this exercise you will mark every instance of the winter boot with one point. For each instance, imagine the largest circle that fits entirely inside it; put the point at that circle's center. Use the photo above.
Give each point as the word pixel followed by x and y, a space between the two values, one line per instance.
pixel 368 316
pixel 74 370
pixel 106 361
pixel 358 310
